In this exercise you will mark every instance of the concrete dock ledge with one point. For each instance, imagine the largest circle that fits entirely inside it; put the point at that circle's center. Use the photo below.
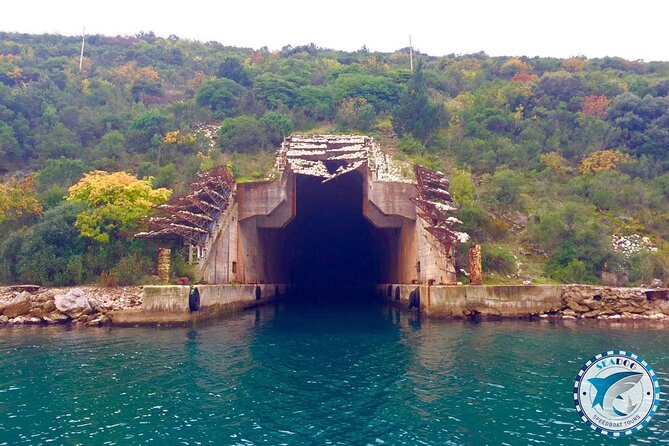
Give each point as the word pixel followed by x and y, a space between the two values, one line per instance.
pixel 174 304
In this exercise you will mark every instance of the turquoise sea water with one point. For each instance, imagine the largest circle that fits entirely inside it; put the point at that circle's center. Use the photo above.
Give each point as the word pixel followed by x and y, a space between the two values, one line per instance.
pixel 301 375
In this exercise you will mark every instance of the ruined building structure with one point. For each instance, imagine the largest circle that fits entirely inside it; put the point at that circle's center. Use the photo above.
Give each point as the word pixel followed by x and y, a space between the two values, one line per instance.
pixel 337 209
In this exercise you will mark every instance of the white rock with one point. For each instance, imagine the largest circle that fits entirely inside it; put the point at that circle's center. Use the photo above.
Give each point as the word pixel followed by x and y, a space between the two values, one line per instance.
pixel 75 300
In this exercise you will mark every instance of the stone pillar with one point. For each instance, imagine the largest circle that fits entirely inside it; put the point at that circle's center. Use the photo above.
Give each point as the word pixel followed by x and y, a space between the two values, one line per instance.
pixel 475 270
pixel 164 264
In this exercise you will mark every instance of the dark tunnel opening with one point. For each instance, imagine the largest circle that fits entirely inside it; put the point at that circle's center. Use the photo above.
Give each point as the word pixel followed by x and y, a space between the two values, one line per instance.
pixel 333 251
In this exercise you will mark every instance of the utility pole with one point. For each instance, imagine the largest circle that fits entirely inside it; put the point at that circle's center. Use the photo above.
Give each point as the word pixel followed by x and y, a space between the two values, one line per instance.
pixel 83 40
pixel 410 54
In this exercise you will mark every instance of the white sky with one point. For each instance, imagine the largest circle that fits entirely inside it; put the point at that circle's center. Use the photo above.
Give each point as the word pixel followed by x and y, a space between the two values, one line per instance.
pixel 561 28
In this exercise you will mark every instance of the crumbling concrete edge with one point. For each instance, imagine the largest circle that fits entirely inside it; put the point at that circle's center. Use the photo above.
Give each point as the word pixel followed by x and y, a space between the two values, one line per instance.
pixel 533 301
pixel 174 305
pixel 463 301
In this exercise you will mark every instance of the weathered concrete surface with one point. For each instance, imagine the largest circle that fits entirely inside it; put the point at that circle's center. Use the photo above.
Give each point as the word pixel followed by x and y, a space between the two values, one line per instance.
pixel 169 304
pixel 392 198
pixel 219 264
pixel 513 300
pixel 141 317
pixel 238 295
pixel 271 202
pixel 563 301
pixel 465 301
pixel 168 298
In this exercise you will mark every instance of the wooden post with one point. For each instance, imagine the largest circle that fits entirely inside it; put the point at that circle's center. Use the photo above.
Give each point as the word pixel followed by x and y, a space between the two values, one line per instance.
pixel 164 264
pixel 475 270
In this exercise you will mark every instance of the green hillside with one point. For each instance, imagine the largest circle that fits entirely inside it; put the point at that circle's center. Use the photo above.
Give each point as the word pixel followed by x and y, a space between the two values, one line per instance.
pixel 560 167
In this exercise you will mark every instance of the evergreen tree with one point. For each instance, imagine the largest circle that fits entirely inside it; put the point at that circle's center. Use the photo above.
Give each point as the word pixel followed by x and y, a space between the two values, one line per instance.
pixel 414 115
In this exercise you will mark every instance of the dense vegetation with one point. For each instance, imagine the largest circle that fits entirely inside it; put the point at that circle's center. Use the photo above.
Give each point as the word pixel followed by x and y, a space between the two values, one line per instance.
pixel 560 166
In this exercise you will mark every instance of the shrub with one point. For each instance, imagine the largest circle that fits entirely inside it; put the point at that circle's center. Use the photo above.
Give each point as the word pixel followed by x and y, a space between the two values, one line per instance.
pixel 502 187
pixel 131 269
pixel 410 145
pixel 242 134
pixel 462 187
pixel 108 279
pixel 355 114
pixel 646 266
pixel 574 272
pixel 181 268
pixel 480 225
pixel 496 259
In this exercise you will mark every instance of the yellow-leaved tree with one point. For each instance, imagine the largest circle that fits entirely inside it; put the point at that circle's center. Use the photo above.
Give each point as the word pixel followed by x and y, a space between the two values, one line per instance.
pixel 603 161
pixel 115 202
pixel 18 200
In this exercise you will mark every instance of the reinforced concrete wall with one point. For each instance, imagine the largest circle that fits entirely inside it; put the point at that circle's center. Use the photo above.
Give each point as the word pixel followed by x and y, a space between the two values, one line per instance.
pixel 251 245
pixel 169 304
pixel 487 300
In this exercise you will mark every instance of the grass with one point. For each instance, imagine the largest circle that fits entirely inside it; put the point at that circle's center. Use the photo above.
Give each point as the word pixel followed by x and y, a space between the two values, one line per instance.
pixel 250 167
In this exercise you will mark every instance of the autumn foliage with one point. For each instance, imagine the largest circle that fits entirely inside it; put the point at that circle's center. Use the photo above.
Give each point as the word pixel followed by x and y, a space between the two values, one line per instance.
pixel 18 199
pixel 555 162
pixel 115 202
pixel 176 138
pixel 602 161
pixel 595 106
pixel 524 77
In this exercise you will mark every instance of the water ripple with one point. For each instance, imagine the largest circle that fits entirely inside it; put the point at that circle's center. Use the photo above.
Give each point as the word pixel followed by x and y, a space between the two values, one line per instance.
pixel 285 375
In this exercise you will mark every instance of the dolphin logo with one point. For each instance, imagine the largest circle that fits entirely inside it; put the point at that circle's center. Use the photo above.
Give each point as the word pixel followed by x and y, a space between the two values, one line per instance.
pixel 611 387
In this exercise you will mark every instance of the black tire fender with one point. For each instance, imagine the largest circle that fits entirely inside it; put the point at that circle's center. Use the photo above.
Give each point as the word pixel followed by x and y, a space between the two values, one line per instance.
pixel 194 299
pixel 414 299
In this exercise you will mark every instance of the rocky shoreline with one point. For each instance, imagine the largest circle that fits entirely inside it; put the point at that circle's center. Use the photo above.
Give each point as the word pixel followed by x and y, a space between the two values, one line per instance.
pixel 613 303
pixel 93 306
pixel 89 306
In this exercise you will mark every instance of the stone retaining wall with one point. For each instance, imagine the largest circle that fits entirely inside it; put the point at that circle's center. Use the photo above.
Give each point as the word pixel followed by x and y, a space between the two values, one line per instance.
pixel 600 302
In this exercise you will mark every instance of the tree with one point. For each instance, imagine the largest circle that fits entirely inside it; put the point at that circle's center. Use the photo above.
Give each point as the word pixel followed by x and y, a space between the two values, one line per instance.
pixel 277 126
pixel 380 92
pixel 355 114
pixel 146 86
pixel 602 161
pixel 18 200
pixel 49 252
pixel 61 171
pixel 232 69
pixel 414 114
pixel 561 86
pixel 112 145
pixel 315 102
pixel 59 141
pixel 9 146
pixel 503 187
pixel 147 125
pixel 275 91
pixel 242 134
pixel 114 202
pixel 220 95
pixel 555 162
pixel 595 106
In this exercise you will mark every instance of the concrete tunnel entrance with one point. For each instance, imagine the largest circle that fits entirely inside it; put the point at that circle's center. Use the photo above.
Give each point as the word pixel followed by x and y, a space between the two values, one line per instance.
pixel 332 251
pixel 335 223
